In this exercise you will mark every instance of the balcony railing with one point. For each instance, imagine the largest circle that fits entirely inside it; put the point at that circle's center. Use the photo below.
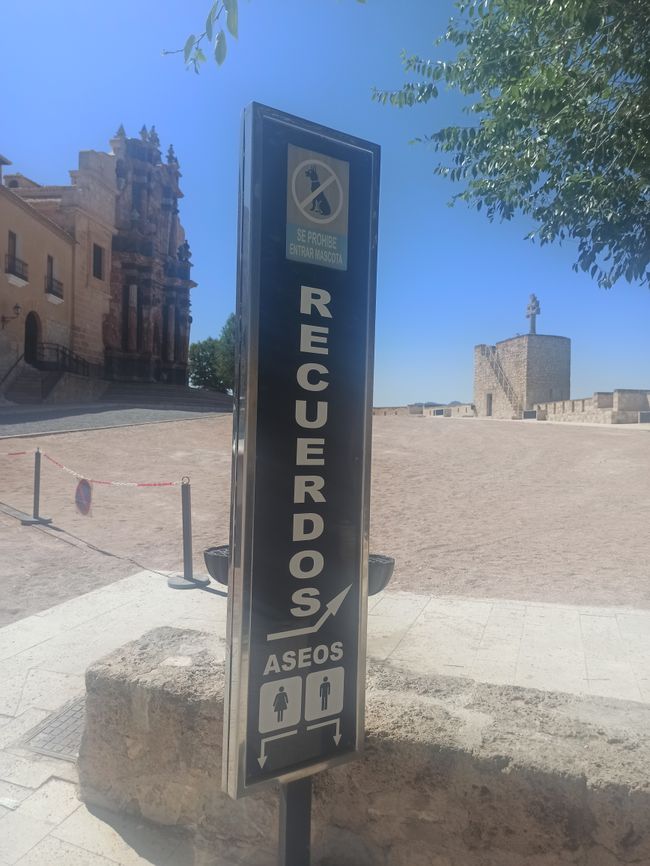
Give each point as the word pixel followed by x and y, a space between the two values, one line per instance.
pixel 50 356
pixel 53 287
pixel 16 266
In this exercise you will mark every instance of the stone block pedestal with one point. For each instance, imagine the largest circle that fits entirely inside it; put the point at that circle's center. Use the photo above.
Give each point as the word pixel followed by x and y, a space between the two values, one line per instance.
pixel 456 773
pixel 152 744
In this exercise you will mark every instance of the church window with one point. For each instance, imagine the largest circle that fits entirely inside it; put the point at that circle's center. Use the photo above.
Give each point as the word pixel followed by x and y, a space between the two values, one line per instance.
pixel 98 262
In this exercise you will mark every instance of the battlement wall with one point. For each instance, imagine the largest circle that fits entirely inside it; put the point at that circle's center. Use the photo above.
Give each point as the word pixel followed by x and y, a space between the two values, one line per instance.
pixel 462 410
pixel 605 407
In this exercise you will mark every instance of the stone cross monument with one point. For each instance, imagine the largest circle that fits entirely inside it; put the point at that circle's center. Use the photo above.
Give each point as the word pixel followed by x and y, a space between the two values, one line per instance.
pixel 532 312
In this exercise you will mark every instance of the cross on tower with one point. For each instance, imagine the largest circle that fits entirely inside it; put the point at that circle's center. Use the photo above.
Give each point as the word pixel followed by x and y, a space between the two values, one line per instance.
pixel 532 311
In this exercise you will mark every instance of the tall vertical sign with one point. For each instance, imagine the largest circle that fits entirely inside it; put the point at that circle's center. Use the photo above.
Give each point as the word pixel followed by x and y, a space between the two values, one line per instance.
pixel 301 465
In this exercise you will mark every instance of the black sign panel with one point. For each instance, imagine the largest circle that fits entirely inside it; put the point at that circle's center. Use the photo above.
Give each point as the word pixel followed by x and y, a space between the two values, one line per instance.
pixel 299 535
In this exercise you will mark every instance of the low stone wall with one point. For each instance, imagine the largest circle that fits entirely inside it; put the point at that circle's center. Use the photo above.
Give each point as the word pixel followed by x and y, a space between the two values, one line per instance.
pixel 455 773
pixel 76 389
pixel 605 407
pixel 630 400
pixel 390 410
pixel 463 410
pixel 584 409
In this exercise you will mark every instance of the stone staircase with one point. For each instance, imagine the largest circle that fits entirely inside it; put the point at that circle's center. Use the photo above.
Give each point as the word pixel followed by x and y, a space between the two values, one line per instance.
pixel 490 352
pixel 31 385
pixel 166 396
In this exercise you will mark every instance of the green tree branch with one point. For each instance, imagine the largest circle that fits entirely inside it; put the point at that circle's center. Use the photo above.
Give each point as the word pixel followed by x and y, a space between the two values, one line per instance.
pixel 559 126
pixel 213 37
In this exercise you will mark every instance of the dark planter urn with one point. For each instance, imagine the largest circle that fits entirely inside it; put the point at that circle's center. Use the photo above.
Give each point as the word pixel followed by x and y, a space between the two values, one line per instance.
pixel 380 568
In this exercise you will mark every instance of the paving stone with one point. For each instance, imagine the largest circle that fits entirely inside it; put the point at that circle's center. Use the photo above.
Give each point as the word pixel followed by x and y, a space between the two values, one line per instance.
pixel 19 833
pixel 403 607
pixel 384 637
pixel 464 610
pixel 30 773
pixel 23 421
pixel 123 840
pixel 53 802
pixel 53 852
pixel 11 796
pixel 49 689
pixel 11 687
pixel 22 635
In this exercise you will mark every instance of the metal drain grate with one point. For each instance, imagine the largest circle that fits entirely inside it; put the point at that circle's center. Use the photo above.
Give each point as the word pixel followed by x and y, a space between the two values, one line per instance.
pixel 59 735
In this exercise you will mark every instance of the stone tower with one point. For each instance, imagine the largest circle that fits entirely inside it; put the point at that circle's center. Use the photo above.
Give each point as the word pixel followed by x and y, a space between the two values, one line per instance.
pixel 515 374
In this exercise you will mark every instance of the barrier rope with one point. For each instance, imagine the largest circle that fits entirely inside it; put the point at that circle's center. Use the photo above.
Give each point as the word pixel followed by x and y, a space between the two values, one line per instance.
pixel 111 483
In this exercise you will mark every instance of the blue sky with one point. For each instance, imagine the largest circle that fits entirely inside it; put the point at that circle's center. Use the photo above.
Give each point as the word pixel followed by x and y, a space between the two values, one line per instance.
pixel 73 70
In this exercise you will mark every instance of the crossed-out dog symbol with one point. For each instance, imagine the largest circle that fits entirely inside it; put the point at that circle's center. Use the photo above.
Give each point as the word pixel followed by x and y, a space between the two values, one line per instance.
pixel 319 204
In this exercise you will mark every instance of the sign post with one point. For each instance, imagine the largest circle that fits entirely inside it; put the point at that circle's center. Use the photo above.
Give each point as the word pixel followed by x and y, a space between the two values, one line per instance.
pixel 301 468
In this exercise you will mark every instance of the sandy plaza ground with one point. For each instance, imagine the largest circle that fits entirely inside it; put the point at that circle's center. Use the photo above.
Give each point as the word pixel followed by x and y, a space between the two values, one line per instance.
pixel 492 509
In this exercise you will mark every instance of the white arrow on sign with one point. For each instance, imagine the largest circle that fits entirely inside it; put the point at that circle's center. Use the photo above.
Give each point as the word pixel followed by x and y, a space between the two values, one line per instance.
pixel 263 756
pixel 337 722
pixel 330 610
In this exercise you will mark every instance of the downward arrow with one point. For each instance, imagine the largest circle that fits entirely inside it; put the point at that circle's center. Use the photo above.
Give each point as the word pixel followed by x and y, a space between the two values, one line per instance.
pixel 263 756
pixel 337 722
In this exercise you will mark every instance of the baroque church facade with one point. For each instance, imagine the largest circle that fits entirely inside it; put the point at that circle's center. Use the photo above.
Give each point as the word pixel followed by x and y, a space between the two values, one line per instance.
pixel 97 272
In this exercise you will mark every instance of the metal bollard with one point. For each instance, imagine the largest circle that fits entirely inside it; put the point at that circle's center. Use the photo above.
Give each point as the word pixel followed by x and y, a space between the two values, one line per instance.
pixel 187 579
pixel 36 517
pixel 37 483
pixel 186 505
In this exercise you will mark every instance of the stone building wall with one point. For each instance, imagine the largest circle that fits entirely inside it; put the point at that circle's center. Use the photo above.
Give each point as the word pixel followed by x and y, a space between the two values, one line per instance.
pixel 86 210
pixel 548 375
pixel 511 355
pixel 91 203
pixel 36 239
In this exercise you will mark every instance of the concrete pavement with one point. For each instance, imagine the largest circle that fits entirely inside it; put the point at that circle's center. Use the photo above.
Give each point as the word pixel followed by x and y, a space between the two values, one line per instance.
pixel 582 650
pixel 41 420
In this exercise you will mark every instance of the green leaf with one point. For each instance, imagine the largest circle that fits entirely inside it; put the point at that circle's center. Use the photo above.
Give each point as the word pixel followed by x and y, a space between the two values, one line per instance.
pixel 232 19
pixel 220 47
pixel 189 44
pixel 208 25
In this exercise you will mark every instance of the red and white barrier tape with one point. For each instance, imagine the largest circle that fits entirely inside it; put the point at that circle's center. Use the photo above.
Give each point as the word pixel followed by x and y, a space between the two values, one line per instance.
pixel 111 483
pixel 16 453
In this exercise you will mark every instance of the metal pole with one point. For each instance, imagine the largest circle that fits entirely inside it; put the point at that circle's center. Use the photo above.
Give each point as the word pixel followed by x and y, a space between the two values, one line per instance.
pixel 37 483
pixel 295 823
pixel 187 579
pixel 186 500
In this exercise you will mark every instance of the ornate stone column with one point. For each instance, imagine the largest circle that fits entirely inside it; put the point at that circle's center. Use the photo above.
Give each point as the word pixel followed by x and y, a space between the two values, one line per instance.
pixel 132 320
pixel 171 332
